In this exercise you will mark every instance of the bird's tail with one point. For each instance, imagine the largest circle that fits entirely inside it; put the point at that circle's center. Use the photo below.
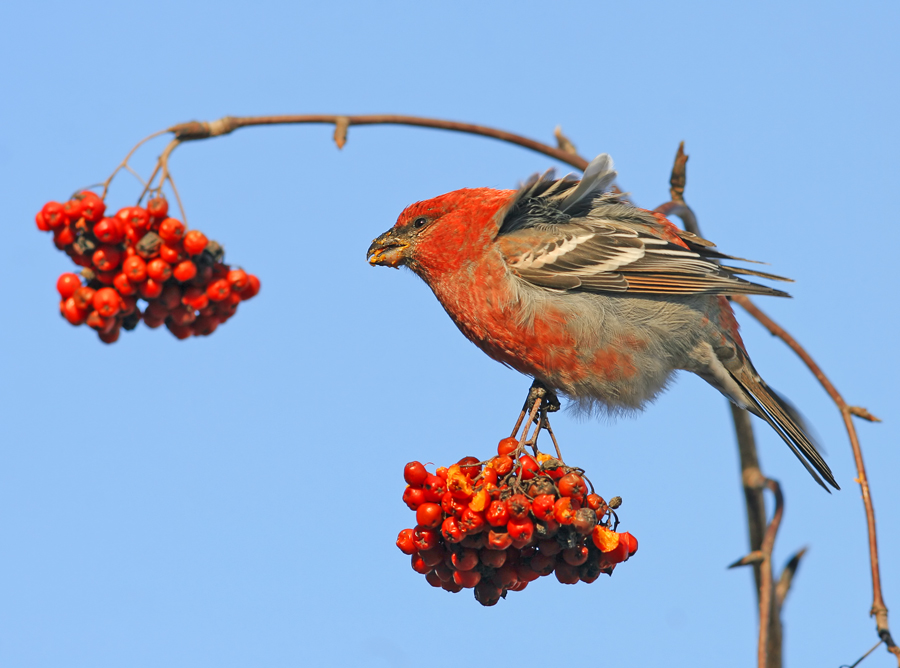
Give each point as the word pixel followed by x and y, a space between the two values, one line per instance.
pixel 784 419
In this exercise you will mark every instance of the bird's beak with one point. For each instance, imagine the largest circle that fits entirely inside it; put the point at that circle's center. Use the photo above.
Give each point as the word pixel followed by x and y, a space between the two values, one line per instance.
pixel 387 250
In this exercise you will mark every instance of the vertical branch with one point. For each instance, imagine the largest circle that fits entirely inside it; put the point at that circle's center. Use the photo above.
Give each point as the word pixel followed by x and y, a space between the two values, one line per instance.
pixel 752 479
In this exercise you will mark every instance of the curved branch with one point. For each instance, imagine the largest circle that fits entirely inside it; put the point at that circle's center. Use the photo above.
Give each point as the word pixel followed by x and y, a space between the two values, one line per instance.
pixel 194 130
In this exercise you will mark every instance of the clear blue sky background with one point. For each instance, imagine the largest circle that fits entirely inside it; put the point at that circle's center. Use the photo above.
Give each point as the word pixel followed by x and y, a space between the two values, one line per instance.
pixel 233 501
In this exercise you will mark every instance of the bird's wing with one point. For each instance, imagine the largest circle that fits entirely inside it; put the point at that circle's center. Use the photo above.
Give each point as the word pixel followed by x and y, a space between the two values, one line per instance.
pixel 567 234
pixel 606 257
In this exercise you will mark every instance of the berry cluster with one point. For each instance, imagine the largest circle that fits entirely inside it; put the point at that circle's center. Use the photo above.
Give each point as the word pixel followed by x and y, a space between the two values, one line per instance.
pixel 495 526
pixel 141 253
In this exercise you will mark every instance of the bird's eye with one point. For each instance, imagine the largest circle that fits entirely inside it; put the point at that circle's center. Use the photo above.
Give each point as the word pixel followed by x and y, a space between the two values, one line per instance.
pixel 420 222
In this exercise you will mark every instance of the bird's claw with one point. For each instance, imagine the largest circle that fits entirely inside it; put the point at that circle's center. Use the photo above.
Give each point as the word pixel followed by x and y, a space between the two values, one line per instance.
pixel 539 391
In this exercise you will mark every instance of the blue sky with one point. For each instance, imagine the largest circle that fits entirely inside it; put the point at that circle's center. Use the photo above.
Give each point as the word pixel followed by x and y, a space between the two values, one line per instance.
pixel 234 500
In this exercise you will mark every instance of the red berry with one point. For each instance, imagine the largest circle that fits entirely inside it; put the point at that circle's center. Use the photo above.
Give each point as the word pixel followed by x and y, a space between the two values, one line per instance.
pixel 106 258
pixel 106 302
pixel 487 593
pixel 542 564
pixel 450 530
pixel 63 236
pixel 433 557
pixel 630 542
pixel 429 515
pixel 575 556
pixel 419 565
pixel 435 487
pixel 184 271
pixel 171 296
pixel 105 277
pixel 83 297
pixel 108 231
pixel 135 269
pixel 72 313
pixel 468 466
pixel 530 467
pixel 564 510
pixel 467 579
pixel 194 242
pixel 239 280
pixel 54 215
pixel 425 538
pixel 136 216
pixel 205 325
pixel 252 288
pixel 218 290
pixel 171 253
pixel 171 230
pixel 414 473
pixel 498 540
pixel 520 529
pixel 453 506
pixel 519 506
pixel 572 484
pixel 413 497
pixel 507 445
pixel 505 576
pixel 471 521
pixel 123 285
pixel 158 207
pixel 181 315
pixel 92 207
pixel 195 298
pixel 502 464
pixel 73 209
pixel 542 506
pixel 180 332
pixel 41 223
pixel 111 335
pixel 566 573
pixel 159 270
pixel 150 289
pixel 497 514
pixel 98 322
pixel 595 502
pixel 67 284
pixel 465 560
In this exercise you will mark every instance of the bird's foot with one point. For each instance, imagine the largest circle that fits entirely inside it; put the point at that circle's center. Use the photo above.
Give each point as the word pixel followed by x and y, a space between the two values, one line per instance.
pixel 540 402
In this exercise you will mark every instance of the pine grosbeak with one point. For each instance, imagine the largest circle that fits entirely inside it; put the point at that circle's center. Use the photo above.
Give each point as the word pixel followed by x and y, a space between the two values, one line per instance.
pixel 588 294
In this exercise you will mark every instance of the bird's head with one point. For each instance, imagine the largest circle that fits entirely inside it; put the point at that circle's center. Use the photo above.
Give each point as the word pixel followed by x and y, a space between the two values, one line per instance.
pixel 440 234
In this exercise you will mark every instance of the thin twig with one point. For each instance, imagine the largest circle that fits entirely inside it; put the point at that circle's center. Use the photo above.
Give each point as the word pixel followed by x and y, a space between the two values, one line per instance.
pixel 766 590
pixel 860 659
pixel 124 162
pixel 879 610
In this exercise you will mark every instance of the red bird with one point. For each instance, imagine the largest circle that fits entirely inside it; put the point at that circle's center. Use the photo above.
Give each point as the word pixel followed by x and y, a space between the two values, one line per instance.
pixel 588 294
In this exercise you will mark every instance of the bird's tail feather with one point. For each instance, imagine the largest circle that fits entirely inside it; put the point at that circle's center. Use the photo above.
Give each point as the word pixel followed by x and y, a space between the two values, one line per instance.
pixel 785 420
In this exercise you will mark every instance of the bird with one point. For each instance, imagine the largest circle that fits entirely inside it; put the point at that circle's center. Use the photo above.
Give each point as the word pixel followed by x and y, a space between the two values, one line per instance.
pixel 568 282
